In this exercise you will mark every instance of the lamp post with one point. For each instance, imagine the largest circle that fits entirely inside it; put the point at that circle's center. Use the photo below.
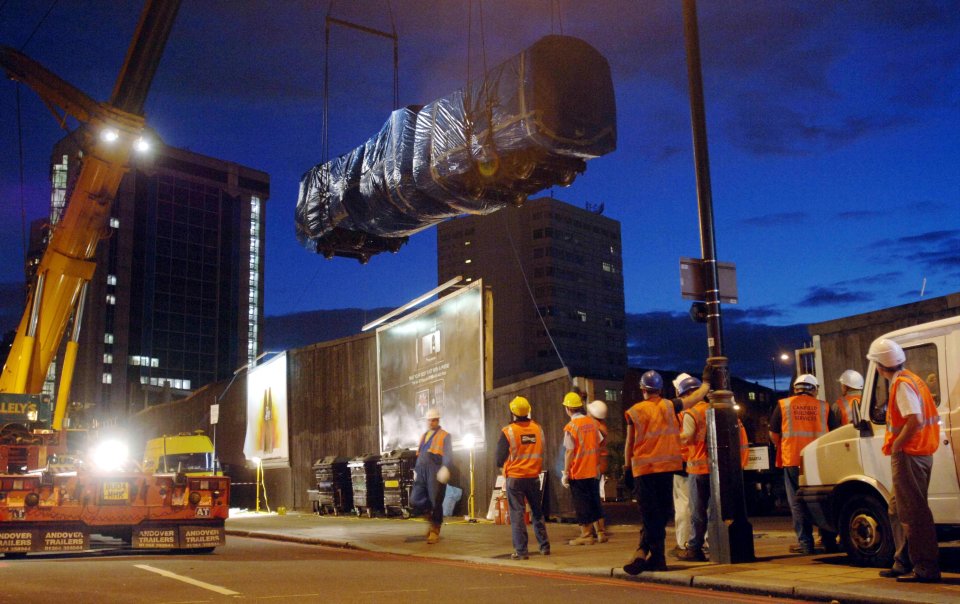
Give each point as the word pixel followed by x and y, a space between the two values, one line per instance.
pixel 784 357
pixel 469 441
pixel 259 465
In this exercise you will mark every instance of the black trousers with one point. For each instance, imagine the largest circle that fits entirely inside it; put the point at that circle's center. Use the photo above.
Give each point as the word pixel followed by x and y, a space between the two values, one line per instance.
pixel 654 493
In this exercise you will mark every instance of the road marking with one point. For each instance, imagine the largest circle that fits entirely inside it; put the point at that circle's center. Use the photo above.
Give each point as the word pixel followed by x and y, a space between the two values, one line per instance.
pixel 393 591
pixel 165 573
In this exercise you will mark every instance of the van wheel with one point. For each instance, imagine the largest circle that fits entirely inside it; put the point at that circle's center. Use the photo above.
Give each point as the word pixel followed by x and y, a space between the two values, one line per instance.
pixel 865 531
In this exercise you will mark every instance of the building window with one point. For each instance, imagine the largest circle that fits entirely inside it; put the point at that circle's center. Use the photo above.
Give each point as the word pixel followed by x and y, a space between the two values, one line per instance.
pixel 107 358
pixel 582 316
pixel 253 296
pixel 107 378
pixel 114 223
pixel 752 396
pixel 58 194
pixel 111 299
pixel 466 243
pixel 111 279
pixel 467 261
pixel 611 395
pixel 108 338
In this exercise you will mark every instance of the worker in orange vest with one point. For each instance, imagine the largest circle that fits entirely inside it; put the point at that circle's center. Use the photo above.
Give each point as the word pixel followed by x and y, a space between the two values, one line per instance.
pixel 851 390
pixel 913 435
pixel 693 434
pixel 682 529
pixel 520 454
pixel 431 474
pixel 651 456
pixel 581 442
pixel 796 422
pixel 598 411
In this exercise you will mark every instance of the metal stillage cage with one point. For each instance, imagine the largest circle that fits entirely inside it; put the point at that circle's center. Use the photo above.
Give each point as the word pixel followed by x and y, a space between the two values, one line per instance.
pixel 367 484
pixel 396 467
pixel 334 492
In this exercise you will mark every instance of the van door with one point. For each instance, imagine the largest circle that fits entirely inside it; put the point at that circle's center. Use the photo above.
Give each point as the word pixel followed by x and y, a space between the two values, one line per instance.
pixel 927 359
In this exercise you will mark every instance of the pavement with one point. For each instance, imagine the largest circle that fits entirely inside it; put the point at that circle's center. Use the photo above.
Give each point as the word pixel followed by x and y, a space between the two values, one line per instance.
pixel 775 573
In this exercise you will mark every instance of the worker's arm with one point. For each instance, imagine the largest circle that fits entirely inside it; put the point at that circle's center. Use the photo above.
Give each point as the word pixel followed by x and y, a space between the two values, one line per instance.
pixel 689 429
pixel 628 446
pixel 503 450
pixel 911 427
pixel 696 396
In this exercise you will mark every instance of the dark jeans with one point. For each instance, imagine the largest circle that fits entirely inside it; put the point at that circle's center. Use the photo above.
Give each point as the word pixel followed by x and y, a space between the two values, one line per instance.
pixel 586 499
pixel 913 530
pixel 654 494
pixel 699 485
pixel 427 494
pixel 801 517
pixel 522 491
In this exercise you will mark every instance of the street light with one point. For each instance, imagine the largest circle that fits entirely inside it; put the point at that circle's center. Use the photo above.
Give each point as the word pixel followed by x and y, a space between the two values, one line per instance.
pixel 469 441
pixel 784 357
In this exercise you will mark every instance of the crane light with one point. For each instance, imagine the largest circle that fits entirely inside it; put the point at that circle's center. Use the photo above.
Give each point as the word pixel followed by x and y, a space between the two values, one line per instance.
pixel 109 135
pixel 142 145
pixel 110 455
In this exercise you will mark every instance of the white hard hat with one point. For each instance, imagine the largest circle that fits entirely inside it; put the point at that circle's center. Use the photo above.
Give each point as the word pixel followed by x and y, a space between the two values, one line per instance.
pixel 806 381
pixel 886 352
pixel 432 413
pixel 852 379
pixel 678 379
pixel 597 409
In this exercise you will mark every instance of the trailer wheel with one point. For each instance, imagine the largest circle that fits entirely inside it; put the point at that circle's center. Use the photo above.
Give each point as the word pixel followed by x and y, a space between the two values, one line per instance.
pixel 865 531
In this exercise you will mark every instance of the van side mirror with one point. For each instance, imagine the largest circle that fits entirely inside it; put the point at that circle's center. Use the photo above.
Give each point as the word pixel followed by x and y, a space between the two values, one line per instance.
pixel 863 426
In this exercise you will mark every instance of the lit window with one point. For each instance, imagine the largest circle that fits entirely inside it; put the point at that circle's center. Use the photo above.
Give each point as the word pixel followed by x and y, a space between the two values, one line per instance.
pixel 154 362
pixel 466 243
pixel 108 338
pixel 114 223
pixel 107 378
pixel 111 299
pixel 111 279
pixel 467 261
pixel 582 316
pixel 186 384
pixel 107 358
pixel 752 396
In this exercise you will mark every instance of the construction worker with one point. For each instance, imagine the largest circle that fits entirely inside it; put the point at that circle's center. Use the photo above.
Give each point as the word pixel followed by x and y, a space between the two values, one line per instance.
pixel 681 491
pixel 520 454
pixel 581 443
pixel 913 435
pixel 598 411
pixel 796 422
pixel 431 474
pixel 652 455
pixel 851 390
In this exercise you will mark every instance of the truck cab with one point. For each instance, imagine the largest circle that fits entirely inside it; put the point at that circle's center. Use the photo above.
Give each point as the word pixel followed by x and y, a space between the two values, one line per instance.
pixel 189 454
pixel 846 480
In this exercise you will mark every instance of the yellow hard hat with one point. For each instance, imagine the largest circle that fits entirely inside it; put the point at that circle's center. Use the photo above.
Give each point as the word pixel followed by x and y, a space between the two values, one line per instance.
pixel 520 407
pixel 573 400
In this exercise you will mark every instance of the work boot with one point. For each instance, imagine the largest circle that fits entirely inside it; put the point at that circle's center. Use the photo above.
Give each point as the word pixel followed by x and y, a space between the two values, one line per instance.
pixel 433 535
pixel 691 555
pixel 601 528
pixel 586 536
pixel 637 564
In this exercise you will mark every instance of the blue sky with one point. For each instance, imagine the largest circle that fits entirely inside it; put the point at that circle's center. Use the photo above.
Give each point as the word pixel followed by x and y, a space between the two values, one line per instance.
pixel 834 131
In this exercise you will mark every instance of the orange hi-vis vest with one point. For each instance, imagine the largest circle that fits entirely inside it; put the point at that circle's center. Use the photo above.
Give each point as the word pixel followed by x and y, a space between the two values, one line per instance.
pixel 656 437
pixel 586 436
pixel 685 450
pixel 603 456
pixel 744 446
pixel 927 438
pixel 846 403
pixel 697 462
pixel 526 450
pixel 803 420
pixel 436 445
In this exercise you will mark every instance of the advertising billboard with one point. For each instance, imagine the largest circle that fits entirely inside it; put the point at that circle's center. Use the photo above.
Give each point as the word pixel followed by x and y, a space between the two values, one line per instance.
pixel 267 436
pixel 433 359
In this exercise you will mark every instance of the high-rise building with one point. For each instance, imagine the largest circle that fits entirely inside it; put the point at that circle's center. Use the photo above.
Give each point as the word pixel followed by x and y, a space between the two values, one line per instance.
pixel 176 301
pixel 556 274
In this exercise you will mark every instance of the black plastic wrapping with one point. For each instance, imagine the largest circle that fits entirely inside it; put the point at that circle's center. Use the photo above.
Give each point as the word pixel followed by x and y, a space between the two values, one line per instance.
pixel 530 123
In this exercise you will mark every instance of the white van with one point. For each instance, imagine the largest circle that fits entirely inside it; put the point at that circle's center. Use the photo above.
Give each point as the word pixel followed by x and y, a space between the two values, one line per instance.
pixel 845 479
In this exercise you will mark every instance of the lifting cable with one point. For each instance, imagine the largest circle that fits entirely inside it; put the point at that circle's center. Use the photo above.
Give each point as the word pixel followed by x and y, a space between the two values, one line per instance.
pixel 526 282
pixel 555 9
pixel 23 207
pixel 392 35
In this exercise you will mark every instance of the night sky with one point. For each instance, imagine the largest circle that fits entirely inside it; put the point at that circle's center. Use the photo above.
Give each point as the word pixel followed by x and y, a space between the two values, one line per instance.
pixel 834 131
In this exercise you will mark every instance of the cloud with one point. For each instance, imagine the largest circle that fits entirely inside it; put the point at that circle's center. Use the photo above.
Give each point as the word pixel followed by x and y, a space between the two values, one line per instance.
pixel 774 220
pixel 934 251
pixel 834 296
pixel 859 215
